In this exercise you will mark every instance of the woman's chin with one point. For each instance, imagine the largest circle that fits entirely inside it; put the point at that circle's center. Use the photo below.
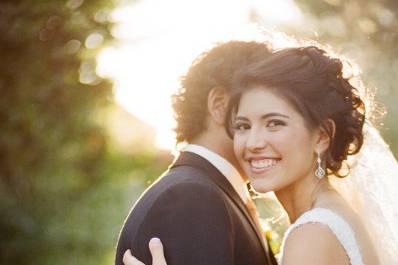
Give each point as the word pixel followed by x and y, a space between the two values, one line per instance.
pixel 264 184
pixel 260 187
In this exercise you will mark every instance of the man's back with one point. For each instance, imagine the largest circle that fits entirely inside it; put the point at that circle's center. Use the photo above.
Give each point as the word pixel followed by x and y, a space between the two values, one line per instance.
pixel 198 216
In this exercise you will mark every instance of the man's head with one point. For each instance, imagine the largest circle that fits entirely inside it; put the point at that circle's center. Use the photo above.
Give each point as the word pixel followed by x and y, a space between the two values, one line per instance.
pixel 200 103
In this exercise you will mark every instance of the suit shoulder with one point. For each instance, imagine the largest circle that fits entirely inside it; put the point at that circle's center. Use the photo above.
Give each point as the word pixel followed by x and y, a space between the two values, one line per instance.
pixel 182 182
pixel 181 178
pixel 176 198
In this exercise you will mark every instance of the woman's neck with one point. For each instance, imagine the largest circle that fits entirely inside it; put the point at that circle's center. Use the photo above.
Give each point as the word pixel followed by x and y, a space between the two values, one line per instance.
pixel 302 195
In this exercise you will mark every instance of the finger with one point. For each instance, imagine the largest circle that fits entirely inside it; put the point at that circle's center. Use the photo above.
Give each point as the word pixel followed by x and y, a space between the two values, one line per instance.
pixel 128 259
pixel 156 248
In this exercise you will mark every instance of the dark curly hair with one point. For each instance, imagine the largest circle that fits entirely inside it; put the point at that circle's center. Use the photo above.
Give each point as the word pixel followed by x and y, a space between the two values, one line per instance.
pixel 312 81
pixel 211 69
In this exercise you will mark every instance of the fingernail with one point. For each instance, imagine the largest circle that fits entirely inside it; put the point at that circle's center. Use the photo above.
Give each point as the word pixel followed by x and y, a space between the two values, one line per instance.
pixel 154 240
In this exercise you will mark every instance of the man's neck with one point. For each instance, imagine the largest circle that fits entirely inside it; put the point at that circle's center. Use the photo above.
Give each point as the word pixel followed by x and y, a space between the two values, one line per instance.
pixel 222 147
pixel 208 145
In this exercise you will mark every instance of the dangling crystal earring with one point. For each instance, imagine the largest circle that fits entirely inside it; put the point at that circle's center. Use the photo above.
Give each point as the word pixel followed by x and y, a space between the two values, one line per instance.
pixel 319 172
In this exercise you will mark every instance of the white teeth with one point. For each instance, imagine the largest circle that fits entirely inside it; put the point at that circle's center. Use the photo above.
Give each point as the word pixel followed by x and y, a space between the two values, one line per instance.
pixel 265 163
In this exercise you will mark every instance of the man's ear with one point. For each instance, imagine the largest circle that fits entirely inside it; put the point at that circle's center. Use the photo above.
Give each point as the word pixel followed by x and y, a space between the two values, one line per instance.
pixel 217 103
pixel 324 139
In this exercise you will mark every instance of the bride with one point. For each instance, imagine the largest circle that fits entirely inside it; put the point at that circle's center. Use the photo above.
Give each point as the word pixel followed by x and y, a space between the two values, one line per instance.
pixel 297 123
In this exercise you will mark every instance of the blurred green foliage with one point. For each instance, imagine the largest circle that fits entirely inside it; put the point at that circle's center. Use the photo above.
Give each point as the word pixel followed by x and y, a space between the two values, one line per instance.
pixel 65 187
pixel 61 182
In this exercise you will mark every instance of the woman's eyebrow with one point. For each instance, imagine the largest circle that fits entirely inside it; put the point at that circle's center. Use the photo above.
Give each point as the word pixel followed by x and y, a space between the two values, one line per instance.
pixel 242 118
pixel 272 114
pixel 263 117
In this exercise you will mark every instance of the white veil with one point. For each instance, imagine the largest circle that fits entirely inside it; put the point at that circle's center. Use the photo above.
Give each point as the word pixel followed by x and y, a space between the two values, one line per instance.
pixel 372 190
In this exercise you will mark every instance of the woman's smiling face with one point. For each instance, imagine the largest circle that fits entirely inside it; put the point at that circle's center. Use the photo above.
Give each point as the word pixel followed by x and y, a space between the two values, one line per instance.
pixel 271 141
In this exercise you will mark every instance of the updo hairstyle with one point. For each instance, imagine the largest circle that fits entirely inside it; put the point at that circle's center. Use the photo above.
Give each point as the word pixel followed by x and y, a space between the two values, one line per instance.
pixel 312 81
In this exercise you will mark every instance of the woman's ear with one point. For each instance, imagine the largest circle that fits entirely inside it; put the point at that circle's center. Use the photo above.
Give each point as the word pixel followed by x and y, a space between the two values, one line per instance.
pixel 217 103
pixel 325 135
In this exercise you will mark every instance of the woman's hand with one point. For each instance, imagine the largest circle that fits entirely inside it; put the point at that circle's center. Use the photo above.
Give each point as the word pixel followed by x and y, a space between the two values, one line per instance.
pixel 156 248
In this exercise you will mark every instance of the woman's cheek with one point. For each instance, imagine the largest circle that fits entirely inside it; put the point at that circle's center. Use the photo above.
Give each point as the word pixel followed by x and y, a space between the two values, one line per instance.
pixel 239 146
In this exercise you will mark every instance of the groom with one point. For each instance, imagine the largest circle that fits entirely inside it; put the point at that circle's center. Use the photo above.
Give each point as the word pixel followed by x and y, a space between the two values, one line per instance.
pixel 199 208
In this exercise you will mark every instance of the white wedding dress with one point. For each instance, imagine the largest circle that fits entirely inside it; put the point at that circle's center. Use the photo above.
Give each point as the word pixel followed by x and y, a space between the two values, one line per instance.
pixel 340 228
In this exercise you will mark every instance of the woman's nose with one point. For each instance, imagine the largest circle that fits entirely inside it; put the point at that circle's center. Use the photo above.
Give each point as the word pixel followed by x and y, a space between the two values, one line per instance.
pixel 256 140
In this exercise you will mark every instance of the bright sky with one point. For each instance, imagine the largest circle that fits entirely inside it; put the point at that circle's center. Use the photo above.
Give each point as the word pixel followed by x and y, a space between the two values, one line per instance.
pixel 158 40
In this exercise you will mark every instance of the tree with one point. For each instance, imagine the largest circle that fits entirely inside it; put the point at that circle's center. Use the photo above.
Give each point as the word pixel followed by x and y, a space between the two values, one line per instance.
pixel 52 145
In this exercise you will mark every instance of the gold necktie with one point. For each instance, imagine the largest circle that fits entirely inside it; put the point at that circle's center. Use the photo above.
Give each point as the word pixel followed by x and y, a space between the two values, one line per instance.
pixel 253 212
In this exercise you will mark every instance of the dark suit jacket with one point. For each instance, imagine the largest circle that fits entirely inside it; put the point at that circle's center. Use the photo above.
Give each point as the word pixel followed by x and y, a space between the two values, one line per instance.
pixel 198 216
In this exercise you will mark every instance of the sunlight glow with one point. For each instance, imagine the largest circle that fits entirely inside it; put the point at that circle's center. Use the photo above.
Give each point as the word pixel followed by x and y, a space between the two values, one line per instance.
pixel 158 40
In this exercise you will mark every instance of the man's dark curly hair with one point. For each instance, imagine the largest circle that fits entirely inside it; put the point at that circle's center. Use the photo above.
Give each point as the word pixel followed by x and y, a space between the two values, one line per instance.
pixel 214 68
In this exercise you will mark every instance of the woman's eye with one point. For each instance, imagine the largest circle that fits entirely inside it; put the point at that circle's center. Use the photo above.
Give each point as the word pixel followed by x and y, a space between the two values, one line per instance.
pixel 274 123
pixel 241 127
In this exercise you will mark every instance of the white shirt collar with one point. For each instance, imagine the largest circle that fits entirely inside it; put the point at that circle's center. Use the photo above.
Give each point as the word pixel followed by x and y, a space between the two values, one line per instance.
pixel 225 167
